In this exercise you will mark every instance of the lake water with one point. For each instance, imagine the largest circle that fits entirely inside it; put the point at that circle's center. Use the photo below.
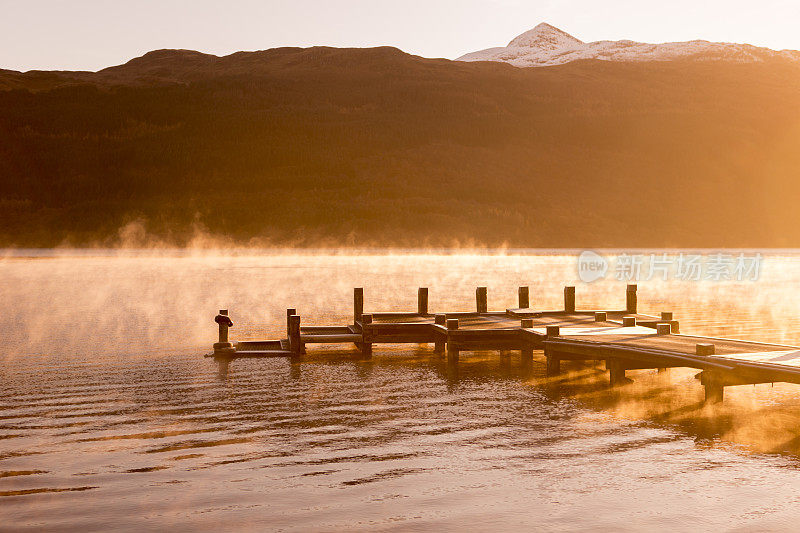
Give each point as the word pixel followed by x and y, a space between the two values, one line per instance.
pixel 110 418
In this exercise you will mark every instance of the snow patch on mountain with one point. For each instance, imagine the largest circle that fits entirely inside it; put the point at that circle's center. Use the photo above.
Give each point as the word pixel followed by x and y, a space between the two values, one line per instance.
pixel 546 45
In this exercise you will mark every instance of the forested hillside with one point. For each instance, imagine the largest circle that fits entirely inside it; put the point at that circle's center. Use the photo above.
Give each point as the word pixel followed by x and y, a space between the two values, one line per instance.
pixel 377 147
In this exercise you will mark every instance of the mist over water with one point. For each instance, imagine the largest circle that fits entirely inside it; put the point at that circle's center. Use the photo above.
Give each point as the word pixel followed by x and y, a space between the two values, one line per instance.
pixel 111 418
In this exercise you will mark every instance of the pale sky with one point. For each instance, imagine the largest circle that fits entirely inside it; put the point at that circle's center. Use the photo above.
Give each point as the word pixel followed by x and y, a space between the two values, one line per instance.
pixel 93 34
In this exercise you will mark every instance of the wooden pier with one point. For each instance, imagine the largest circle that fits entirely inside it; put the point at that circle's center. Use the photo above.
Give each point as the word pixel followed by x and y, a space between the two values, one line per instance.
pixel 623 339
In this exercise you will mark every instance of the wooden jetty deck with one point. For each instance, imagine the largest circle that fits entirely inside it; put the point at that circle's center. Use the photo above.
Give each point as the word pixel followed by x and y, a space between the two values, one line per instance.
pixel 622 338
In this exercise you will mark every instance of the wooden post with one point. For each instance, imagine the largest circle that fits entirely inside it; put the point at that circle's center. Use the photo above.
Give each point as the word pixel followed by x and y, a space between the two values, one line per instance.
pixel 223 327
pixel 714 387
pixel 553 365
pixel 628 321
pixel 526 352
pixel 438 346
pixel 569 299
pixel 704 349
pixel 481 298
pixel 524 298
pixel 630 300
pixel 600 316
pixel 422 301
pixel 663 329
pixel 616 372
pixel 289 313
pixel 666 316
pixel 223 348
pixel 358 303
pixel 452 351
pixel 295 346
pixel 366 345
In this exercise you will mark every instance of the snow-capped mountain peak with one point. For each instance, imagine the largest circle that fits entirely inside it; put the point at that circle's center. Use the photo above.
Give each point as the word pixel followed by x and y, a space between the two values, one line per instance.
pixel 545 37
pixel 547 45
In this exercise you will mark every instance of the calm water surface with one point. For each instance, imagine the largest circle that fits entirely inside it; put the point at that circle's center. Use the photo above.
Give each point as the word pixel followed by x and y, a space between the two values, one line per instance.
pixel 110 418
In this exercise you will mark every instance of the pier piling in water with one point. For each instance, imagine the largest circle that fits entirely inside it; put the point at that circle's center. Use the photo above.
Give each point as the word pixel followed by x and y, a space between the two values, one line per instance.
pixel 439 344
pixel 366 345
pixel 452 349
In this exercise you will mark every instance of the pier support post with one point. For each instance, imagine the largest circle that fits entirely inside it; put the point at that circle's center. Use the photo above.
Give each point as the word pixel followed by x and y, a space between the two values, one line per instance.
pixel 438 346
pixel 481 299
pixel 366 345
pixel 628 321
pixel 553 365
pixel 630 299
pixel 524 298
pixel 358 303
pixel 600 316
pixel 616 372
pixel 714 387
pixel 422 301
pixel 452 351
pixel 526 352
pixel 569 299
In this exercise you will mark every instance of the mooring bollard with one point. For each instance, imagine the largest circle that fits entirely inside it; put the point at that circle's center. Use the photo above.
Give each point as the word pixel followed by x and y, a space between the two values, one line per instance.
pixel 628 321
pixel 452 351
pixel 553 331
pixel 600 316
pixel 526 323
pixel 663 329
pixel 224 323
pixel 438 346
pixel 569 299
pixel 481 298
pixel 366 345
pixel 295 345
pixel 289 313
pixel 422 301
pixel 358 304
pixel 631 305
pixel 524 298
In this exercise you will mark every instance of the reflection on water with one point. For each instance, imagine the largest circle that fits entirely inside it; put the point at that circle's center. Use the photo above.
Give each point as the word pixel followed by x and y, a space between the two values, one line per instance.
pixel 110 419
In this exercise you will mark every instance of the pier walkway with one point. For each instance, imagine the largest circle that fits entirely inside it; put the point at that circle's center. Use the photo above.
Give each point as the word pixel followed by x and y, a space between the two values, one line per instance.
pixel 623 339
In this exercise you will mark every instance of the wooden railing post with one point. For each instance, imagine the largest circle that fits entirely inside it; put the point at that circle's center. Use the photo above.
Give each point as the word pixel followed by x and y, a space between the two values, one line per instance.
pixel 289 313
pixel 569 299
pixel 295 345
pixel 524 298
pixel 358 304
pixel 481 298
pixel 422 301
pixel 630 299
pixel 628 321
